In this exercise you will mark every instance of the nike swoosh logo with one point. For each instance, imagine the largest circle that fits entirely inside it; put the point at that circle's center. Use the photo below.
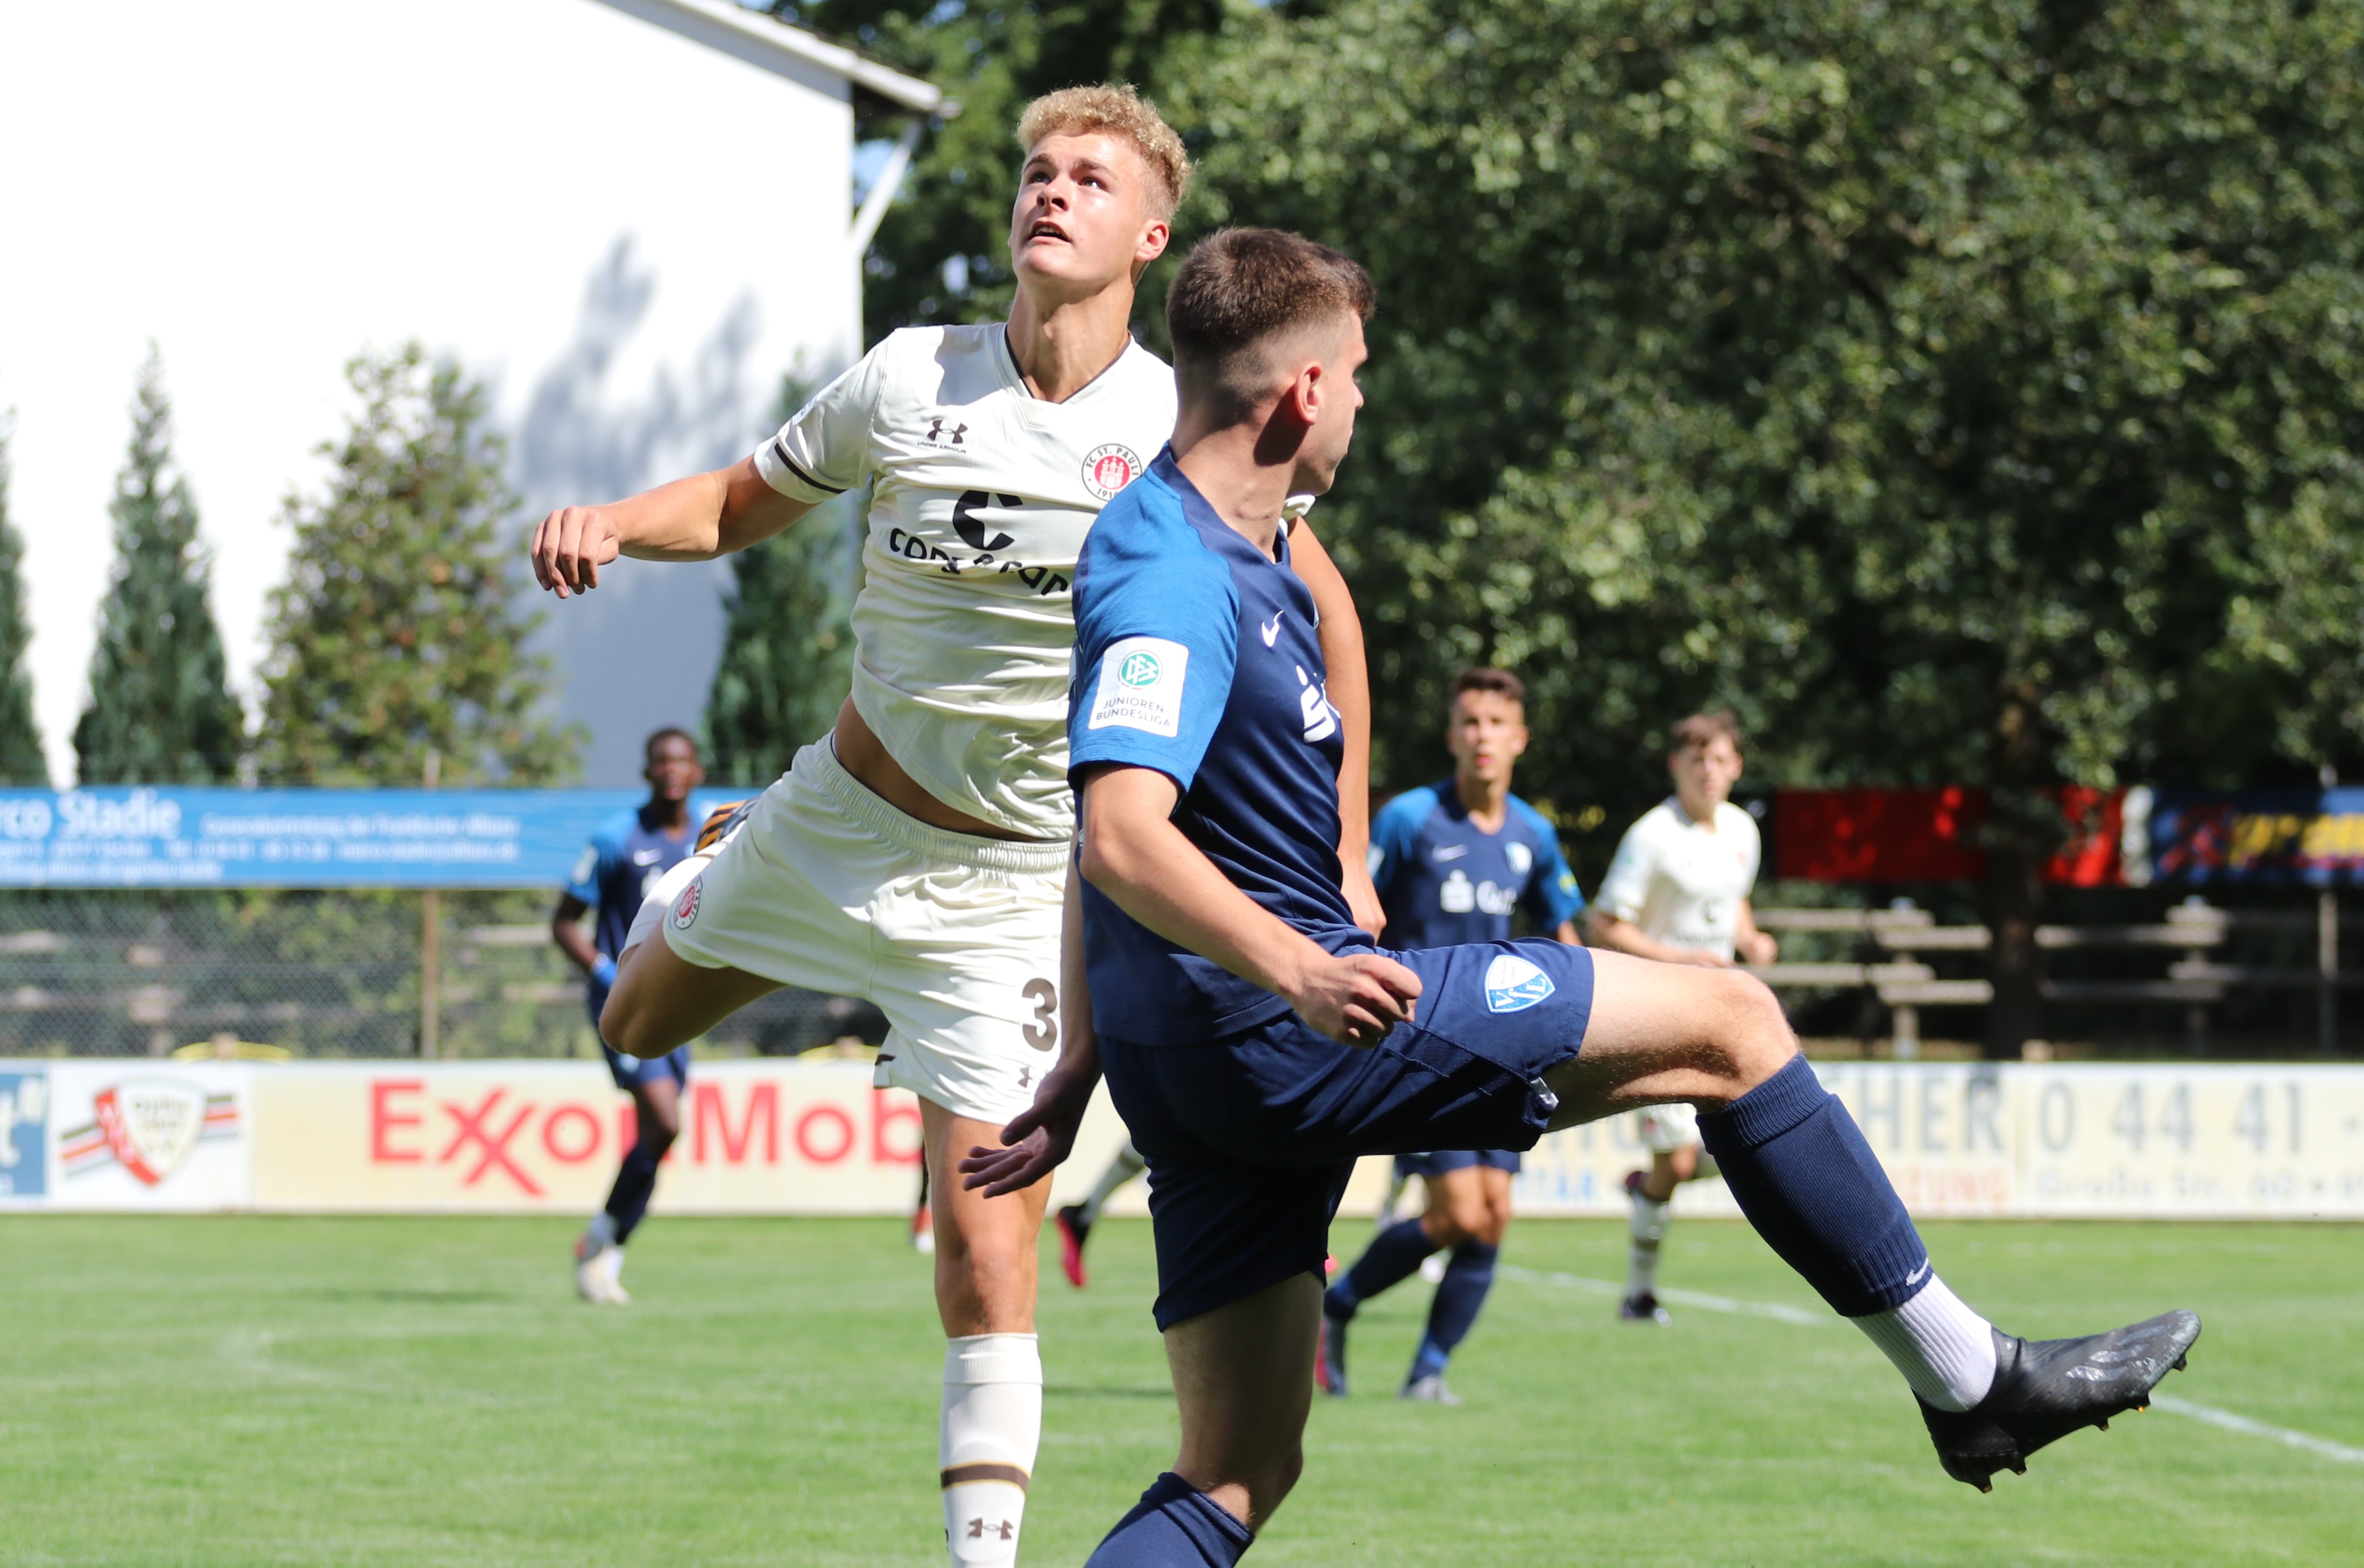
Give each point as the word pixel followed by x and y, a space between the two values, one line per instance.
pixel 646 857
pixel 1271 628
pixel 1451 852
pixel 1917 1275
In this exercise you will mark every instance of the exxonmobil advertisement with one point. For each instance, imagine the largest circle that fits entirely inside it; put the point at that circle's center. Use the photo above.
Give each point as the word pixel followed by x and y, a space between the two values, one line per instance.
pixel 2092 1140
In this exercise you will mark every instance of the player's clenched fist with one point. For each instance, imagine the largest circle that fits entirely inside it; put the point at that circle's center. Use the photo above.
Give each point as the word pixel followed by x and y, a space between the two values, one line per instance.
pixel 1356 998
pixel 571 546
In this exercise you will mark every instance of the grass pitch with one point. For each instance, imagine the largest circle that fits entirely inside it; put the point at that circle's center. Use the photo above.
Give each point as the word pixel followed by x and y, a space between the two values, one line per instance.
pixel 415 1392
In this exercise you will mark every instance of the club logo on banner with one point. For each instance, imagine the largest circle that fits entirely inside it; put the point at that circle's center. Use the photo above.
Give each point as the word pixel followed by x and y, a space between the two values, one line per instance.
pixel 24 1123
pixel 148 1126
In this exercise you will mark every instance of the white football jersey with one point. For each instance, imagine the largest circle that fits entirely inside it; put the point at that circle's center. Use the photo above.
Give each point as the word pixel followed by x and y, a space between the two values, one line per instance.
pixel 980 496
pixel 1679 882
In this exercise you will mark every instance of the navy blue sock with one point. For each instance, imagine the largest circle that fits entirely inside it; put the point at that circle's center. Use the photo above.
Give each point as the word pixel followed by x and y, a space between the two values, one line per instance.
pixel 628 1200
pixel 1174 1525
pixel 1462 1292
pixel 1803 1173
pixel 1392 1256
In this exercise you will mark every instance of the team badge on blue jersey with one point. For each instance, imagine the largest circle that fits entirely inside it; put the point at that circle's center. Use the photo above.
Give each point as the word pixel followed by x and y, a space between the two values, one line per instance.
pixel 1512 985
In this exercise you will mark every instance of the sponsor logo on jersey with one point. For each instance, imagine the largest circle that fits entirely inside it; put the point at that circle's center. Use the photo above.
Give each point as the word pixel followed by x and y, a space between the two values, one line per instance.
pixel 1512 985
pixel 1109 468
pixel 938 436
pixel 1140 686
pixel 1271 628
pixel 684 908
pixel 1313 705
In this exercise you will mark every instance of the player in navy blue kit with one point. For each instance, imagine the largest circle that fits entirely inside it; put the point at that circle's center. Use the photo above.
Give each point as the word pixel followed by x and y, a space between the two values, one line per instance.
pixel 624 859
pixel 1255 1041
pixel 1453 863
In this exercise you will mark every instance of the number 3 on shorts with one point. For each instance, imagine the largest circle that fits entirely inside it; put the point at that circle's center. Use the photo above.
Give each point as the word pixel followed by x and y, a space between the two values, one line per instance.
pixel 1042 1031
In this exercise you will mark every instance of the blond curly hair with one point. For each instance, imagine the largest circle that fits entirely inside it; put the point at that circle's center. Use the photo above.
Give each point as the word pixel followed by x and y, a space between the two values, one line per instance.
pixel 1117 110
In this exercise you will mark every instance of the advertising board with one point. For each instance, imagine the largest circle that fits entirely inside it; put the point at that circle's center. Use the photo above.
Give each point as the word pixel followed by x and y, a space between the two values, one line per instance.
pixel 2205 1142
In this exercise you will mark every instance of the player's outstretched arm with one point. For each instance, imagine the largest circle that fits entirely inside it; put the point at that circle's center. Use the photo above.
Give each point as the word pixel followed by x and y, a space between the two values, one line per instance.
pixel 1039 1138
pixel 1347 681
pixel 696 518
pixel 1134 854
pixel 1609 932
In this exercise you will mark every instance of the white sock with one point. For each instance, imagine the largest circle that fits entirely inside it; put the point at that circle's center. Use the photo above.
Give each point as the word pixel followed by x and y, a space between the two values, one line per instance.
pixel 611 1263
pixel 1127 1165
pixel 1946 1351
pixel 1646 1230
pixel 992 1424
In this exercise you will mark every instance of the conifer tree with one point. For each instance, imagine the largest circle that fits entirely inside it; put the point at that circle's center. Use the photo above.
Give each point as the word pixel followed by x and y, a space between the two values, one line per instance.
pixel 788 645
pixel 399 630
pixel 160 709
pixel 21 761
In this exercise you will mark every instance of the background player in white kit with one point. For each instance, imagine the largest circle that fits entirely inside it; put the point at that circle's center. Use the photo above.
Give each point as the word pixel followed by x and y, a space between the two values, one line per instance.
pixel 918 856
pixel 1678 891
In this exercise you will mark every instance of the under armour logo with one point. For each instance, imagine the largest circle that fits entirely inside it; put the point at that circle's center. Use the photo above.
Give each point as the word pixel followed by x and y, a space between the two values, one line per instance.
pixel 1025 1077
pixel 1003 1529
pixel 938 436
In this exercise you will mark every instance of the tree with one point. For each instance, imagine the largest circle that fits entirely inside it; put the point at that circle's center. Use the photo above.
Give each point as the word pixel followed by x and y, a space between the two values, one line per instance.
pixel 160 709
pixel 21 761
pixel 398 633
pixel 787 641
pixel 1966 393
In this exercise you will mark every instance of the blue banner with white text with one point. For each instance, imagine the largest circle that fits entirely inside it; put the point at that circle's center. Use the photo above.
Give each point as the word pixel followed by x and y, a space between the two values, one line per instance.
pixel 170 837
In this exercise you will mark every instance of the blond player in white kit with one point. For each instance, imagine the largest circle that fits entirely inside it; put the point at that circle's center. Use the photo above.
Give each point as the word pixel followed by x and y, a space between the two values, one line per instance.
pixel 918 856
pixel 1678 891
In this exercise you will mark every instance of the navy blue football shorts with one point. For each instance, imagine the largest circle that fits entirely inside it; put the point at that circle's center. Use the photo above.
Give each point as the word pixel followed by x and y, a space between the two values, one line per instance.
pixel 630 1072
pixel 1437 1162
pixel 1250 1137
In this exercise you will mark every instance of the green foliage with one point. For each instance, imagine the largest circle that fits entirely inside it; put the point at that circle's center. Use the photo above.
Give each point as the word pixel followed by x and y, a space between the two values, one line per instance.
pixel 942 254
pixel 398 632
pixel 1965 393
pixel 160 710
pixel 21 761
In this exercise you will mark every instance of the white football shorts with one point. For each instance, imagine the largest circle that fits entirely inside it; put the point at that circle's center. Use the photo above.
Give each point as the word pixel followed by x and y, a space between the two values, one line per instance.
pixel 1665 1128
pixel 954 936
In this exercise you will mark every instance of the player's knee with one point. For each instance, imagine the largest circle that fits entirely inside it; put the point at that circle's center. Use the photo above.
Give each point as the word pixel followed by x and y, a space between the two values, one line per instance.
pixel 1757 1042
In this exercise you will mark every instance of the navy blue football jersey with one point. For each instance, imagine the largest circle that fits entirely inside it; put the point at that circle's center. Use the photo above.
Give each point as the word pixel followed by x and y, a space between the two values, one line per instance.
pixel 621 862
pixel 1444 880
pixel 1196 655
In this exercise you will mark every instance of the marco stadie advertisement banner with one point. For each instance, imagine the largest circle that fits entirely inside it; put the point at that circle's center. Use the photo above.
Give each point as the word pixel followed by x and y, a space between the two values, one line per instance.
pixel 2062 1141
pixel 170 837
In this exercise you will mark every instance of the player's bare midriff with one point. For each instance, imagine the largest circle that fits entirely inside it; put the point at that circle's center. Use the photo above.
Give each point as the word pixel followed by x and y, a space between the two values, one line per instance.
pixel 861 753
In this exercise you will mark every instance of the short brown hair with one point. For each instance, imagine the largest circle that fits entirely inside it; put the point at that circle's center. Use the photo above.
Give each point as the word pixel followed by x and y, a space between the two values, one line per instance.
pixel 1500 682
pixel 1701 729
pixel 1237 288
pixel 1116 108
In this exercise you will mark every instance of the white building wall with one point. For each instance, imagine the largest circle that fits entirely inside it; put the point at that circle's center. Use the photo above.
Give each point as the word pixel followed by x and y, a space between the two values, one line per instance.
pixel 630 234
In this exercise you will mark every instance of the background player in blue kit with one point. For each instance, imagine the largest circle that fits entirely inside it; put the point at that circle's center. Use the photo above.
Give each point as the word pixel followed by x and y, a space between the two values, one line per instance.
pixel 624 859
pixel 1453 863
pixel 1256 1042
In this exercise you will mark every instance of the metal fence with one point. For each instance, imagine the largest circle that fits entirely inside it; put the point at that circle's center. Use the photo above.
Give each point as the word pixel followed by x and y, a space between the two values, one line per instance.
pixel 325 974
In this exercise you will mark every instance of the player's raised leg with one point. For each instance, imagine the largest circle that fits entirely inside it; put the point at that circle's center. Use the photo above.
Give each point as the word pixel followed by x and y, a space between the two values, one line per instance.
pixel 1808 1182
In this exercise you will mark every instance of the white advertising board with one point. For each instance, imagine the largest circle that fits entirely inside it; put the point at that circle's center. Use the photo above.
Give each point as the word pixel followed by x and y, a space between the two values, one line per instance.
pixel 769 1137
